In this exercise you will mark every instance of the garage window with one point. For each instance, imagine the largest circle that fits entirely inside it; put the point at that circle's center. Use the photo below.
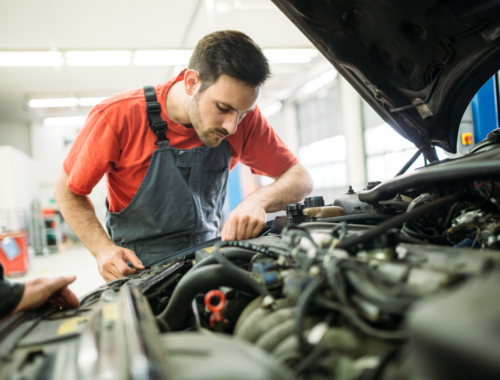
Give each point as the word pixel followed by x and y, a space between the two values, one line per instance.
pixel 322 147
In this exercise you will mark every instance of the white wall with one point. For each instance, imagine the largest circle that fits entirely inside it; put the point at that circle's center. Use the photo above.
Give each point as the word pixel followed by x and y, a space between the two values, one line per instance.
pixel 18 188
pixel 50 146
pixel 16 134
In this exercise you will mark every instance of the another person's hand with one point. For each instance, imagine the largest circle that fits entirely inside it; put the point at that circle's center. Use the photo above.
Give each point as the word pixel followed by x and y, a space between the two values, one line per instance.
pixel 244 222
pixel 53 290
pixel 112 262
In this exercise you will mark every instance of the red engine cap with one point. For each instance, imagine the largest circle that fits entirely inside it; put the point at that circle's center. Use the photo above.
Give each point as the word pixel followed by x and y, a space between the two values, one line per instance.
pixel 220 305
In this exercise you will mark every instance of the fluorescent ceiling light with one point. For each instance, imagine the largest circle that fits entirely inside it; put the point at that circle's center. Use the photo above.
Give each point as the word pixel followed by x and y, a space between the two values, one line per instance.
pixel 28 58
pixel 63 121
pixel 272 109
pixel 320 81
pixel 162 57
pixel 98 58
pixel 223 7
pixel 90 102
pixel 290 55
pixel 48 103
pixel 240 6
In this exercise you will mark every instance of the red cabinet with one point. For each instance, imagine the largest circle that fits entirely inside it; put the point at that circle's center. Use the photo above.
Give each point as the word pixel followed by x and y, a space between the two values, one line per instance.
pixel 14 252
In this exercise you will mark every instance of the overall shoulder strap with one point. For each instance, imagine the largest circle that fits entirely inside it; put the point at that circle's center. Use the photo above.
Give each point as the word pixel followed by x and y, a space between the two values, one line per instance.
pixel 158 126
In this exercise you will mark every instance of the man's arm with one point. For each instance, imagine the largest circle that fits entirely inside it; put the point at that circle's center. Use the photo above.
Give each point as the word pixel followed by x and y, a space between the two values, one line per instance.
pixel 79 213
pixel 249 218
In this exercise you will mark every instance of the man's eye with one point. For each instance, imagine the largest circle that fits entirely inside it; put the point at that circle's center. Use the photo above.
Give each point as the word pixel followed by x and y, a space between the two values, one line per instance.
pixel 222 109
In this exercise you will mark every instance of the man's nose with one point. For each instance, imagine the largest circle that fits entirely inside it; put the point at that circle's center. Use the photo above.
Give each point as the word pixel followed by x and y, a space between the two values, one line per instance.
pixel 231 123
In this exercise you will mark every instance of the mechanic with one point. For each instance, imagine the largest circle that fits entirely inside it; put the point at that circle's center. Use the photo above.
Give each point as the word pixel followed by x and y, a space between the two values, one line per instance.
pixel 167 151
pixel 34 293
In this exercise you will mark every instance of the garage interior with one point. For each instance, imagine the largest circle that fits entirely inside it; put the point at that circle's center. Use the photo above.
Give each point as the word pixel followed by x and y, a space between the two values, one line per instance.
pixel 58 59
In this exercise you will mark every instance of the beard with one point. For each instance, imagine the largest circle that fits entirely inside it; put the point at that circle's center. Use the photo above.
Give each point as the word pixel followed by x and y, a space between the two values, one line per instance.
pixel 205 134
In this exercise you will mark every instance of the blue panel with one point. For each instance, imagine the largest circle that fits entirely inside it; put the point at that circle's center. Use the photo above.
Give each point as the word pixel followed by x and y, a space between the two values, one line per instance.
pixel 484 110
pixel 234 188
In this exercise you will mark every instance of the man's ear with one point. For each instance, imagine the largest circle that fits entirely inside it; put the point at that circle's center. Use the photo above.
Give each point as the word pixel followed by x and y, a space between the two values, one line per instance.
pixel 191 82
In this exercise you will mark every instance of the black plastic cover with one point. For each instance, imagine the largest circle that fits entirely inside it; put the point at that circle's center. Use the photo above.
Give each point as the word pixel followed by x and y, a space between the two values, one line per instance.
pixel 397 53
pixel 455 336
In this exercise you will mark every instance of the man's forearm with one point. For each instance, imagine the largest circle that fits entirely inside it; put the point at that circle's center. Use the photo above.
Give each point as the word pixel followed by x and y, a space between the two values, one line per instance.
pixel 290 187
pixel 78 211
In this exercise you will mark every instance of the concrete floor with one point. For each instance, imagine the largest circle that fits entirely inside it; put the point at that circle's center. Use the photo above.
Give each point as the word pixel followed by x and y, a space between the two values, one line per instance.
pixel 73 259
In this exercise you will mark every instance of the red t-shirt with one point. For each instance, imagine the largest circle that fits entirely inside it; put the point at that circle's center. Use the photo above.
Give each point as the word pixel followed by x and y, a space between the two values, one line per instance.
pixel 116 140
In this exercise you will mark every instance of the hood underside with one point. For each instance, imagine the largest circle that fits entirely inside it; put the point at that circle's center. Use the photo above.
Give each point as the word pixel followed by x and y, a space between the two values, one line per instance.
pixel 417 63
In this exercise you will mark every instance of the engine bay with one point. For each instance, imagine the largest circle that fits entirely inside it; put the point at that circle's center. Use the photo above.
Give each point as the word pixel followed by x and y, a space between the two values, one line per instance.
pixel 332 297
pixel 404 287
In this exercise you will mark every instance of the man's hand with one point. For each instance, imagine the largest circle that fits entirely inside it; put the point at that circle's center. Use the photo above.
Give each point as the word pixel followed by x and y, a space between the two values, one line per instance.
pixel 249 218
pixel 245 221
pixel 79 213
pixel 112 262
pixel 53 290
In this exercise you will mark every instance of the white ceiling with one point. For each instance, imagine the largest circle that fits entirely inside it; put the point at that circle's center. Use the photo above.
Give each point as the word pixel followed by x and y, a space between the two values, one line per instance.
pixel 31 25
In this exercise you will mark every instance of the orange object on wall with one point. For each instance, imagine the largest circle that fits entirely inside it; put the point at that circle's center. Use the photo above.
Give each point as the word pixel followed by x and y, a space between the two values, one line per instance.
pixel 19 262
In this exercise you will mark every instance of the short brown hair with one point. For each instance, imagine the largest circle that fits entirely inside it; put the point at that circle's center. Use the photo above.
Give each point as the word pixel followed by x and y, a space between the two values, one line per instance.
pixel 232 53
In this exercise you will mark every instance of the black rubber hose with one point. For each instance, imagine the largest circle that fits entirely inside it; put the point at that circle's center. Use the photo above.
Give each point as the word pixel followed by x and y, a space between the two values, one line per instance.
pixel 374 218
pixel 358 323
pixel 408 239
pixel 397 221
pixel 222 259
pixel 386 302
pixel 302 304
pixel 232 254
pixel 433 176
pixel 203 280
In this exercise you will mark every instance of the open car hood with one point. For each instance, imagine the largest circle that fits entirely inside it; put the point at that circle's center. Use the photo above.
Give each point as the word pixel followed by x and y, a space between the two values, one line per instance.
pixel 396 54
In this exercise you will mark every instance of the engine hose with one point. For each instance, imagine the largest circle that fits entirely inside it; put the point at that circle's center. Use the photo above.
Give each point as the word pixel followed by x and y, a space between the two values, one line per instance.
pixel 203 280
pixel 359 324
pixel 374 218
pixel 386 302
pixel 222 259
pixel 354 240
pixel 302 304
pixel 231 254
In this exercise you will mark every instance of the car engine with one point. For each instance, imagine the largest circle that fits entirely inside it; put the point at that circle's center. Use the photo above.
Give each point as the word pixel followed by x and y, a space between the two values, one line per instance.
pixel 345 297
pixel 398 281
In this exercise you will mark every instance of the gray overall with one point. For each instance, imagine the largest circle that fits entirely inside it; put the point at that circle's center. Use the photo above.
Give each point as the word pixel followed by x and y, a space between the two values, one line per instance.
pixel 179 202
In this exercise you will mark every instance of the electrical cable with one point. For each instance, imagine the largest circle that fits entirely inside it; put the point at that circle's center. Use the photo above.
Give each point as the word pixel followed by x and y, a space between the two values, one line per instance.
pixel 310 359
pixel 375 218
pixel 231 254
pixel 315 354
pixel 459 227
pixel 302 303
pixel 296 230
pixel 343 233
pixel 220 257
pixel 358 323
pixel 398 220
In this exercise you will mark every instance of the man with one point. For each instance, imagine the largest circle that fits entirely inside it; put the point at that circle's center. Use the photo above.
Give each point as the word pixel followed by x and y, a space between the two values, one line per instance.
pixel 167 160
pixel 34 293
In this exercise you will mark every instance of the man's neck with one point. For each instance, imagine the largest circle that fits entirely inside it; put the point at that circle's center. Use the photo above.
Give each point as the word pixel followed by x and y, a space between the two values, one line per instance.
pixel 176 104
